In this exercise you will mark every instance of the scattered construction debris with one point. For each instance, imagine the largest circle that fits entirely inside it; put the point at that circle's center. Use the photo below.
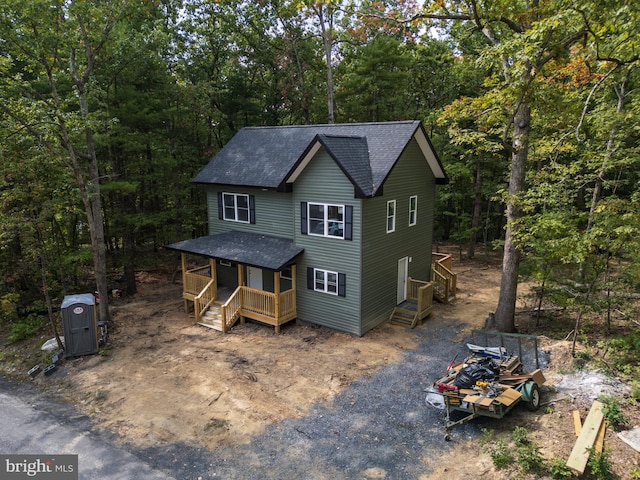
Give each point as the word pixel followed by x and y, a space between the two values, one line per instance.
pixel 488 383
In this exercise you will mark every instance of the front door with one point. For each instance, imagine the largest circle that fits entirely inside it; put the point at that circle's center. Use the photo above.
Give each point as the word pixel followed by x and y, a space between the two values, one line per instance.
pixel 403 270
pixel 254 278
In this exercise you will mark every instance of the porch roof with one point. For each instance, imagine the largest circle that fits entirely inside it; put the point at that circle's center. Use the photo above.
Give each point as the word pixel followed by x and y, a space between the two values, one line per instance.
pixel 253 249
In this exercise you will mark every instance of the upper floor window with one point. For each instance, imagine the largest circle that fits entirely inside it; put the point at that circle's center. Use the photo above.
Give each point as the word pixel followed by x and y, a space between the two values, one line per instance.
pixel 413 210
pixel 391 216
pixel 326 220
pixel 236 207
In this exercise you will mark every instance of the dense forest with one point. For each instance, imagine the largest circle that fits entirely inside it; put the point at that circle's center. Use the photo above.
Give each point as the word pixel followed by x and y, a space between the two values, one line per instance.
pixel 109 108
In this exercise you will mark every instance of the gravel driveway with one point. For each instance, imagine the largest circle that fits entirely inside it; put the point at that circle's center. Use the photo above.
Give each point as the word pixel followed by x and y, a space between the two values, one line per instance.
pixel 378 427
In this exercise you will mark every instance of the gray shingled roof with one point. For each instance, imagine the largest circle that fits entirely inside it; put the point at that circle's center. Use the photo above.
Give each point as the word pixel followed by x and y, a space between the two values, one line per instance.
pixel 253 249
pixel 352 155
pixel 266 156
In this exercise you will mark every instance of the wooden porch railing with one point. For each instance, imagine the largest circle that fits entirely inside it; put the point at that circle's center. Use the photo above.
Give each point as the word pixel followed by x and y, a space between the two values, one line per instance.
pixel 273 309
pixel 230 310
pixel 421 292
pixel 267 307
pixel 204 299
pixel 196 279
pixel 287 310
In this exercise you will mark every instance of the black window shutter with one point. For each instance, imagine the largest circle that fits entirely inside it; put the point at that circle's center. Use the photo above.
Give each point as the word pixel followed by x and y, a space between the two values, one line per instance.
pixel 220 207
pixel 303 218
pixel 252 209
pixel 342 285
pixel 310 278
pixel 348 222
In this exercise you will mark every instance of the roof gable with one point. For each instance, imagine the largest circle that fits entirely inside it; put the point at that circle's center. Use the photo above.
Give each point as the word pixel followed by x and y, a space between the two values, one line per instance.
pixel 352 156
pixel 267 157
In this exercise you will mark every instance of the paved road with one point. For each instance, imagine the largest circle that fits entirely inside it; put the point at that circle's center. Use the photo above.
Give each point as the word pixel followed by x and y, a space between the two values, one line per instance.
pixel 28 429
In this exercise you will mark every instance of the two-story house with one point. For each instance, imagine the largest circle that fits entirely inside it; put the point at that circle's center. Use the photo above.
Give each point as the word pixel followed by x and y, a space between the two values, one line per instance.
pixel 329 224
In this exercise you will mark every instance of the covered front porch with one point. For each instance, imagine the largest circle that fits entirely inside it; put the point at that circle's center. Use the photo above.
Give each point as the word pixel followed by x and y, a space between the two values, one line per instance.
pixel 221 307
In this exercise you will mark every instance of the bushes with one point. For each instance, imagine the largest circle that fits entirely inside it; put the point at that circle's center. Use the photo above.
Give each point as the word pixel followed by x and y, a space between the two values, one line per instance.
pixel 25 328
pixel 18 327
pixel 525 457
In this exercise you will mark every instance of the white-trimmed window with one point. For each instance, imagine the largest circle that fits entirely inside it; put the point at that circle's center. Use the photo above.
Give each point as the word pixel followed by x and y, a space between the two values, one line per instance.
pixel 326 220
pixel 326 281
pixel 391 216
pixel 413 210
pixel 235 207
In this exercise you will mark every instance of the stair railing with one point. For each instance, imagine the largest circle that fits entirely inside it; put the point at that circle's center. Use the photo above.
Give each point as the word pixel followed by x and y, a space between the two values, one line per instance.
pixel 230 310
pixel 204 299
pixel 444 278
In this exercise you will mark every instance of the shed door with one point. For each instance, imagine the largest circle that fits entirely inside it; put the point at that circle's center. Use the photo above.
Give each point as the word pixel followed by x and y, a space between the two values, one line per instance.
pixel 254 277
pixel 403 270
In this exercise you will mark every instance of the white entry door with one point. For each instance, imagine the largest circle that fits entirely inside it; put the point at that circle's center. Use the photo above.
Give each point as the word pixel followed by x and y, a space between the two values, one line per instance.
pixel 403 270
pixel 254 277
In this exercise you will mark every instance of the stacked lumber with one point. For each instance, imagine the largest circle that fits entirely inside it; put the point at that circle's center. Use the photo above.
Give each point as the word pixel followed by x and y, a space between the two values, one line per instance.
pixel 589 434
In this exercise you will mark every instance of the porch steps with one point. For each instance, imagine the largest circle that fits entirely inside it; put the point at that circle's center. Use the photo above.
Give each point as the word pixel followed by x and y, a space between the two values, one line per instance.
pixel 212 318
pixel 404 317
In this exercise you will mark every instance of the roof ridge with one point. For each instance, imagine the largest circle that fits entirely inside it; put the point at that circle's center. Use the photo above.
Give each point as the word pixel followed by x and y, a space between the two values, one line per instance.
pixel 333 135
pixel 356 124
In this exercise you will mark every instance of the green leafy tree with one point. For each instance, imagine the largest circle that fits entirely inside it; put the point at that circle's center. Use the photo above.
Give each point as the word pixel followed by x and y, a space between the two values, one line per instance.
pixel 48 77
pixel 521 38
pixel 375 85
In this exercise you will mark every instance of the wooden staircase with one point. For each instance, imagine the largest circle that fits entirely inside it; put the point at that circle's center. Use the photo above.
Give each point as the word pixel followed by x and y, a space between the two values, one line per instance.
pixel 212 318
pixel 444 280
pixel 404 317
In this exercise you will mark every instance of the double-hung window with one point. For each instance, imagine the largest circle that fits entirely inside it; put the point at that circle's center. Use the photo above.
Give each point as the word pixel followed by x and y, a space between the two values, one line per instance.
pixel 326 220
pixel 413 210
pixel 236 207
pixel 391 216
pixel 326 281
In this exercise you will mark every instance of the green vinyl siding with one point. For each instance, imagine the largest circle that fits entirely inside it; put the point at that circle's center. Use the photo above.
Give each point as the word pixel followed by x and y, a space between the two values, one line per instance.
pixel 381 251
pixel 322 181
pixel 272 209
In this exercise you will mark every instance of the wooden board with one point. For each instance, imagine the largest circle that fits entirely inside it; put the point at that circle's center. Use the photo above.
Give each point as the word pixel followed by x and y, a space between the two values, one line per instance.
pixel 577 425
pixel 479 400
pixel 580 454
pixel 577 422
pixel 600 437
pixel 537 376
pixel 508 396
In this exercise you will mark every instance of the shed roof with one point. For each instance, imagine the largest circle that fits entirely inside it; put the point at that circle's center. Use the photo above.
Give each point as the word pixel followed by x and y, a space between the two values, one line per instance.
pixel 253 249
pixel 267 157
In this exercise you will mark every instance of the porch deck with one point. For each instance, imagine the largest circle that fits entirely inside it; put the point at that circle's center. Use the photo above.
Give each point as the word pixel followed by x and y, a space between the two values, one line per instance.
pixel 221 308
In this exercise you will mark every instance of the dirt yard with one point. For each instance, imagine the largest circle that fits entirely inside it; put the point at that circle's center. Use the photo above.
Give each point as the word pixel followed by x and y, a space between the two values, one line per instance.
pixel 164 379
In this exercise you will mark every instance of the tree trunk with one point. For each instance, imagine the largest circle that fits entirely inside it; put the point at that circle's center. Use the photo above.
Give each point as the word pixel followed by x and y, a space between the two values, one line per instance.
pixel 327 42
pixel 45 285
pixel 477 212
pixel 505 312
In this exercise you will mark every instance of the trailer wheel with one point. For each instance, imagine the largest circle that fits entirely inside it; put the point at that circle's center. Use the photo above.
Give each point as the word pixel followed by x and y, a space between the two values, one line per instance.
pixel 534 398
pixel 447 437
